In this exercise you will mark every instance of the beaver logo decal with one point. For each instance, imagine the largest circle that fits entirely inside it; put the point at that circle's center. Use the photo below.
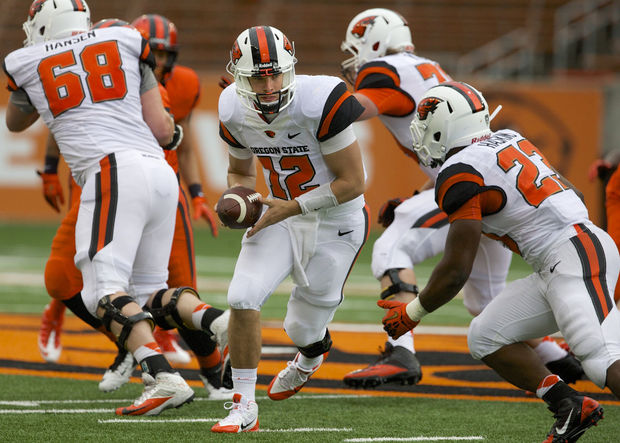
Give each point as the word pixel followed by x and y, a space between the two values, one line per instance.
pixel 235 53
pixel 359 29
pixel 427 105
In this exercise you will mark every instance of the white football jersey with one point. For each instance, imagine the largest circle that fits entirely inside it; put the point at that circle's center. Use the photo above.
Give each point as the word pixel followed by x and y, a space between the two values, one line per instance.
pixel 87 90
pixel 291 147
pixel 522 200
pixel 411 75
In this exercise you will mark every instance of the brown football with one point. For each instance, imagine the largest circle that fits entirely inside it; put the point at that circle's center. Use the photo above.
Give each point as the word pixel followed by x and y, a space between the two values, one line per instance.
pixel 239 207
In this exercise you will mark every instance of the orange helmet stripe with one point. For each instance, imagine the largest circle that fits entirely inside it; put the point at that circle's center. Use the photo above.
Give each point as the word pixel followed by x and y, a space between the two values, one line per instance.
pixel 472 97
pixel 78 5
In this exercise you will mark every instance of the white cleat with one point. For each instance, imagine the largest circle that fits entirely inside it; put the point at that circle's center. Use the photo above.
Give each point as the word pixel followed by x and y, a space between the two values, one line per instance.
pixel 118 373
pixel 290 380
pixel 214 393
pixel 167 390
pixel 243 416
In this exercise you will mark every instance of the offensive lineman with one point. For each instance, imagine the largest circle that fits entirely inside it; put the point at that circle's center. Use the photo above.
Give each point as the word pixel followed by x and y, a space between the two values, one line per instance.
pixel 109 124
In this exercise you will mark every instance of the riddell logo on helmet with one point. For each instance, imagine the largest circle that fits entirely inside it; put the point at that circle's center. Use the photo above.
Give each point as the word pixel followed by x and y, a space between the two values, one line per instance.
pixel 359 29
pixel 479 139
pixel 235 53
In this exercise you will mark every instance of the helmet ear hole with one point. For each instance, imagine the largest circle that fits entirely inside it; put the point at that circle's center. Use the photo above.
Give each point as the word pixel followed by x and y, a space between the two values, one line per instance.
pixel 437 136
pixel 375 46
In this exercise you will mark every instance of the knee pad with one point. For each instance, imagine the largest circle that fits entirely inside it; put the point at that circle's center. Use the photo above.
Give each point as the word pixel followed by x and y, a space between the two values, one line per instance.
pixel 397 285
pixel 167 316
pixel 112 311
pixel 478 341
pixel 317 348
pixel 62 279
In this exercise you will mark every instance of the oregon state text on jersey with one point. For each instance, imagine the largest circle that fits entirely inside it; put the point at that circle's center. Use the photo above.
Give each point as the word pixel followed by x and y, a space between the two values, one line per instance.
pixel 507 183
pixel 290 148
pixel 87 92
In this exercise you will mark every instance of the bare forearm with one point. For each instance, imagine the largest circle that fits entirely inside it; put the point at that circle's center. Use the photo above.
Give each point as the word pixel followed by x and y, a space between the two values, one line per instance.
pixel 444 284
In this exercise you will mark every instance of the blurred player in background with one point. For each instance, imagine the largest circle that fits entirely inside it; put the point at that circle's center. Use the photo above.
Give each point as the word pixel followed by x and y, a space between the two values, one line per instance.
pixel 299 129
pixel 607 170
pixel 389 79
pixel 63 280
pixel 500 184
pixel 96 92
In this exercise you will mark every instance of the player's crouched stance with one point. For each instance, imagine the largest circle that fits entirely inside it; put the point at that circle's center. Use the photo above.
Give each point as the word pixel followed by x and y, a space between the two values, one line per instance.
pixel 500 184
pixel 178 308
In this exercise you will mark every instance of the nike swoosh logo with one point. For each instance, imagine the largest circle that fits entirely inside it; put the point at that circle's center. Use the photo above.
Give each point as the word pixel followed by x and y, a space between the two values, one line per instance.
pixel 340 233
pixel 564 428
pixel 246 426
pixel 293 135
pixel 392 317
pixel 552 268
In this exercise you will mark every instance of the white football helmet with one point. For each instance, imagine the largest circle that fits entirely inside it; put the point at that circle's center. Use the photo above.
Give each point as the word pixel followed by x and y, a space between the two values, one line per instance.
pixel 54 19
pixel 371 34
pixel 258 52
pixel 449 115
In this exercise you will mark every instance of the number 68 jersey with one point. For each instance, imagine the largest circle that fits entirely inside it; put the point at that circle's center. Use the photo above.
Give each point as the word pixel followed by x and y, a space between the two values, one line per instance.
pixel 507 184
pixel 87 90
pixel 290 148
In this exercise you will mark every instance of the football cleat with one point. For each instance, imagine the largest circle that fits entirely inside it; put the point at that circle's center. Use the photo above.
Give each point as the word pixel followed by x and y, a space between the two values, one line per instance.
pixel 243 416
pixel 290 380
pixel 167 390
pixel 50 332
pixel 573 417
pixel 119 372
pixel 395 365
pixel 170 346
pixel 212 379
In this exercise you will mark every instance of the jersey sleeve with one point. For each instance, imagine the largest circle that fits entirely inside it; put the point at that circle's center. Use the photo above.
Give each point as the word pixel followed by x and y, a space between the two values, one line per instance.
pixel 236 149
pixel 340 111
pixel 461 193
pixel 380 82
pixel 10 82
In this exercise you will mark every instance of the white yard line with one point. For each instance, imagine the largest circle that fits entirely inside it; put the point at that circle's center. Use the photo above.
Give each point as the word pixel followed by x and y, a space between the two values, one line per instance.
pixel 435 438
pixel 55 411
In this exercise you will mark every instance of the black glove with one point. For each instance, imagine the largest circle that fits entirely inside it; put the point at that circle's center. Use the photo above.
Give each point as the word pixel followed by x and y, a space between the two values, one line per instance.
pixel 176 139
pixel 386 213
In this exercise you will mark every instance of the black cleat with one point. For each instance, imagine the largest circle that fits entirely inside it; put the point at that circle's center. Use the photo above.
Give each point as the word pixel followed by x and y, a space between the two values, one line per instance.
pixel 573 417
pixel 395 365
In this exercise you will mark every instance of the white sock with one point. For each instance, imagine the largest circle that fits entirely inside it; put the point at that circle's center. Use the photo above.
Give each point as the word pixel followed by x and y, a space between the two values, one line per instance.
pixel 244 382
pixel 405 340
pixel 308 364
pixel 549 351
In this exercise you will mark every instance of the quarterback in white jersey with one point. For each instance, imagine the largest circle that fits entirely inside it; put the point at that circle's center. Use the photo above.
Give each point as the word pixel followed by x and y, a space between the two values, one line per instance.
pixel 299 129
pixel 96 92
pixel 499 184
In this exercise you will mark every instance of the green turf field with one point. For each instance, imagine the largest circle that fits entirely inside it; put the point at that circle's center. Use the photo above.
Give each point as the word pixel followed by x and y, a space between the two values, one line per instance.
pixel 52 409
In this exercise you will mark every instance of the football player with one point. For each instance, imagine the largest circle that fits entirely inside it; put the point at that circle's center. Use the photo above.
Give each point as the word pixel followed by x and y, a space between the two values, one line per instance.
pixel 63 280
pixel 298 128
pixel 109 124
pixel 607 170
pixel 499 183
pixel 389 79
